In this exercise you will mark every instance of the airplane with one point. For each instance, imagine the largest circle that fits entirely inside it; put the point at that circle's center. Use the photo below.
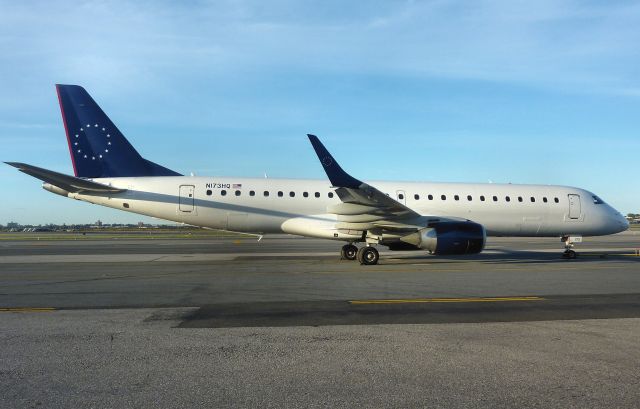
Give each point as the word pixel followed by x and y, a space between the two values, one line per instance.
pixel 440 218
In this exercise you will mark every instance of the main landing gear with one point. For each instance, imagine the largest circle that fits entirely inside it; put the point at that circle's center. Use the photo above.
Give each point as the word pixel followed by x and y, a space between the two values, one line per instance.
pixel 365 255
pixel 348 252
pixel 569 242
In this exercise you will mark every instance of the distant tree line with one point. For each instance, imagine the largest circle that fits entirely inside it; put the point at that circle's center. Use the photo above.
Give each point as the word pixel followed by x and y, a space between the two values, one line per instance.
pixel 13 226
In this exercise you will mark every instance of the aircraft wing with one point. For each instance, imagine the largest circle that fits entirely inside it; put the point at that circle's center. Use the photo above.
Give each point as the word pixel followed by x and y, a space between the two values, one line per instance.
pixel 363 206
pixel 71 184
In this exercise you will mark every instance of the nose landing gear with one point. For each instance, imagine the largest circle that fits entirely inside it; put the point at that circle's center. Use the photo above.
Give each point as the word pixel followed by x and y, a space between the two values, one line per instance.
pixel 569 242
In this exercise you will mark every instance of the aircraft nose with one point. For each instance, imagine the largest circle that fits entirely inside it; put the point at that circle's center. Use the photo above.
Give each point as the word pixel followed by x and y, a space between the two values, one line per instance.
pixel 624 222
pixel 614 221
pixel 621 222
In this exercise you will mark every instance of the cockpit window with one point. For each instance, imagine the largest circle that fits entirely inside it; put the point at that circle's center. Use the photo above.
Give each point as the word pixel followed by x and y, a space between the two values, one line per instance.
pixel 597 200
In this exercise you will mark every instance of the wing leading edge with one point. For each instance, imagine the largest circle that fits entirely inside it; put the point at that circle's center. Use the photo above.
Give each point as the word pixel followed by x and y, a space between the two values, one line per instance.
pixel 71 184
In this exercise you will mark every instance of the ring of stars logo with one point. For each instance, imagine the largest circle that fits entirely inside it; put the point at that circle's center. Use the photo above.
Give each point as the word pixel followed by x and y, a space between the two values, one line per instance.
pixel 97 142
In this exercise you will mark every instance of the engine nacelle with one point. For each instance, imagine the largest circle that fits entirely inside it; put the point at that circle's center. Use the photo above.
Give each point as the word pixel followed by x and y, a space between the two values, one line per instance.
pixel 447 238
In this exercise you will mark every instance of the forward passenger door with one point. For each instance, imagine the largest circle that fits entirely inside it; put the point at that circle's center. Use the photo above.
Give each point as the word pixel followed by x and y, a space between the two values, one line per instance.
pixel 574 207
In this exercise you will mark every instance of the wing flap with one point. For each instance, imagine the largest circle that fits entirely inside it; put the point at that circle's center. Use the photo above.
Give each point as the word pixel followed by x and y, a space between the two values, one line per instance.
pixel 69 183
pixel 360 218
pixel 368 195
pixel 350 209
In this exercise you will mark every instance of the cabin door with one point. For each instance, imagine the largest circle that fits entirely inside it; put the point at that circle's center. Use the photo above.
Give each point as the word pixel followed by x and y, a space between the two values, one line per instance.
pixel 574 206
pixel 186 200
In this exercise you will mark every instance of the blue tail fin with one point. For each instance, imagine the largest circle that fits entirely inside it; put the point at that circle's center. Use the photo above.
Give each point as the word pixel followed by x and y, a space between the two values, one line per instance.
pixel 98 149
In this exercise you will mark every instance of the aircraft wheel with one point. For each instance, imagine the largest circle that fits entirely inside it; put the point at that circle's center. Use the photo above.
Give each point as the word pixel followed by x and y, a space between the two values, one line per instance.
pixel 569 254
pixel 368 256
pixel 348 252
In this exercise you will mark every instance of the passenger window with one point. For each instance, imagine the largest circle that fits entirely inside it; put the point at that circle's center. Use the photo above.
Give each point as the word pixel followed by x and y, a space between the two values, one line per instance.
pixel 482 198
pixel 305 194
pixel 223 192
pixel 330 194
pixel 544 199
pixel 520 199
pixel 443 197
pixel 252 193
pixel 317 194
pixel 469 198
pixel 237 193
pixel 533 199
pixel 430 197
pixel 280 194
pixel 209 192
pixel 292 194
pixel 555 199
pixel 507 198
pixel 456 197
pixel 495 198
pixel 417 197
pixel 400 196
pixel 266 193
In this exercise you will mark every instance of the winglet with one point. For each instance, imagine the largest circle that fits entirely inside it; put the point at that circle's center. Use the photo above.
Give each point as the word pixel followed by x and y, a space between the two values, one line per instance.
pixel 337 176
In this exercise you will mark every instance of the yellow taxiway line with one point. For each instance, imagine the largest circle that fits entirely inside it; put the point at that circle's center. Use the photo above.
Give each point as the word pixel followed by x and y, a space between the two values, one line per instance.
pixel 446 300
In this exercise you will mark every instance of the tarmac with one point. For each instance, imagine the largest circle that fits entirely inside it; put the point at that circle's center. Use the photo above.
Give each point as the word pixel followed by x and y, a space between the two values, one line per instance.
pixel 283 322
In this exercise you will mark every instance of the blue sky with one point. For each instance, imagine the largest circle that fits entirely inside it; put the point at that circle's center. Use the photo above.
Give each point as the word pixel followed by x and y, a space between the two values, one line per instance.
pixel 504 91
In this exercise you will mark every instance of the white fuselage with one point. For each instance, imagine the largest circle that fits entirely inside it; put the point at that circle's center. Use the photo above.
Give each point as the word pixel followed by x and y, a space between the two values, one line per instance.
pixel 300 206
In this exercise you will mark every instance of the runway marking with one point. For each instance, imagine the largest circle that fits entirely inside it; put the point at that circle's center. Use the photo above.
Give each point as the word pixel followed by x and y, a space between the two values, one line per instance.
pixel 27 309
pixel 446 300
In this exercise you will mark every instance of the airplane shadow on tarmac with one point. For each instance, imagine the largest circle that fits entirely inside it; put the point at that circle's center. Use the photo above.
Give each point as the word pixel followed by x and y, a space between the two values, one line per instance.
pixel 512 257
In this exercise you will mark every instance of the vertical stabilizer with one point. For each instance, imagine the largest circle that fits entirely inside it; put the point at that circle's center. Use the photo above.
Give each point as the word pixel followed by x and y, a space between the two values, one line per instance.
pixel 98 149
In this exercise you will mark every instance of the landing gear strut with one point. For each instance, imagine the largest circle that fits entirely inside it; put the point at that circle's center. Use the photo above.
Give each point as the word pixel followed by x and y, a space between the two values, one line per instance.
pixel 569 241
pixel 348 252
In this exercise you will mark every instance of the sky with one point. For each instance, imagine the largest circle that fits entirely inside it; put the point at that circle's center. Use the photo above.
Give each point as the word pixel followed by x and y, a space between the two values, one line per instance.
pixel 544 92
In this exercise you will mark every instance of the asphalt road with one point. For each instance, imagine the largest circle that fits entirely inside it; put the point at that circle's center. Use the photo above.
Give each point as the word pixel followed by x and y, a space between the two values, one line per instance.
pixel 193 273
pixel 284 323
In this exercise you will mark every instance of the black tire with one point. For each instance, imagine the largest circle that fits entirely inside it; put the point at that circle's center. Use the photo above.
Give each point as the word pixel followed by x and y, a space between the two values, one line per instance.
pixel 348 252
pixel 569 254
pixel 359 254
pixel 368 256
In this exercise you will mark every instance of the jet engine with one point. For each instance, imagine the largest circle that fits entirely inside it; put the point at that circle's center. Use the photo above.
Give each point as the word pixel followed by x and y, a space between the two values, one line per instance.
pixel 446 238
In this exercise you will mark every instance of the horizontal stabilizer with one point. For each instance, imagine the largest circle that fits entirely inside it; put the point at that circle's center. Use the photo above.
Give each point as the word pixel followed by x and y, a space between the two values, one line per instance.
pixel 69 183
